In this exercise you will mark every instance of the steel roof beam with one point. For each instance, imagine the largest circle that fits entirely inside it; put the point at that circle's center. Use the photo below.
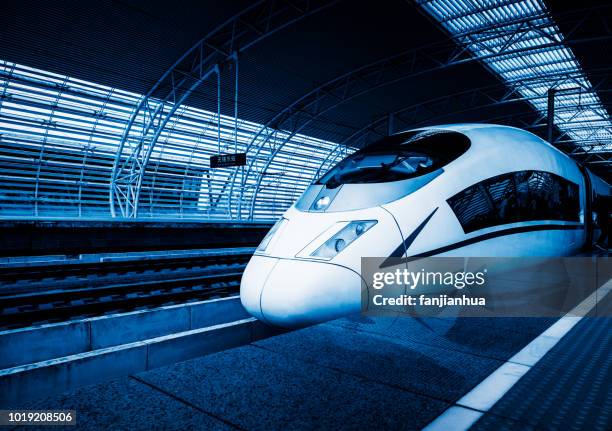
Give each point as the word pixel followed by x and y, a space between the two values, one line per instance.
pixel 328 96
pixel 200 62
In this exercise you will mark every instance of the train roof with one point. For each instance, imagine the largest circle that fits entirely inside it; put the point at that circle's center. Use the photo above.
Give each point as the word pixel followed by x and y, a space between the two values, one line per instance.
pixel 466 127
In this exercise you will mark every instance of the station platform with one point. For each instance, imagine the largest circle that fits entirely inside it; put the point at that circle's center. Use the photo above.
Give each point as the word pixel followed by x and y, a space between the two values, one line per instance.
pixel 365 373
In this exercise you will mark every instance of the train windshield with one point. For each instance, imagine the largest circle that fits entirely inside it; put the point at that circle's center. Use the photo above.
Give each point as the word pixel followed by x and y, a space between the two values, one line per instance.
pixel 398 157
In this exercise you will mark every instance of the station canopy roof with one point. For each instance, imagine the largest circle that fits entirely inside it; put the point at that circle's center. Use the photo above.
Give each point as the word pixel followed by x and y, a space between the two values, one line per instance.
pixel 320 79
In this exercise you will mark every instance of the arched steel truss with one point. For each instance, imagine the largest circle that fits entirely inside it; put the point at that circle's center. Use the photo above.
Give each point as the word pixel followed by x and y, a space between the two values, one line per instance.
pixel 67 131
pixel 437 110
pixel 409 64
pixel 583 118
pixel 58 142
pixel 200 62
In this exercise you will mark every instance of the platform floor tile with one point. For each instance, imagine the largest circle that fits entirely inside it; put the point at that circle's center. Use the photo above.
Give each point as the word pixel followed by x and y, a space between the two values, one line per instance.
pixel 495 338
pixel 125 404
pixel 257 389
pixel 569 389
pixel 432 371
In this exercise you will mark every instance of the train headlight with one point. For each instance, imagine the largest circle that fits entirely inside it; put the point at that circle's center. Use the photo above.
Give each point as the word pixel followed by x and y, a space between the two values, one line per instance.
pixel 322 203
pixel 266 241
pixel 343 238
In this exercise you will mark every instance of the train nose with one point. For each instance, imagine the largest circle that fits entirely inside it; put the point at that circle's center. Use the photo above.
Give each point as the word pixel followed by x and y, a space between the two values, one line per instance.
pixel 294 293
pixel 252 283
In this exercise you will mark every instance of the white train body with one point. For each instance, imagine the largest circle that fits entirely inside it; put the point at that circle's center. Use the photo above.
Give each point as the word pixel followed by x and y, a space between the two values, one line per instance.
pixel 295 279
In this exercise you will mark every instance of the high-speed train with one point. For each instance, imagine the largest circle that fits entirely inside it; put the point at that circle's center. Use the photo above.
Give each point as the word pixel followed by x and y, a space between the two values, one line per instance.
pixel 453 190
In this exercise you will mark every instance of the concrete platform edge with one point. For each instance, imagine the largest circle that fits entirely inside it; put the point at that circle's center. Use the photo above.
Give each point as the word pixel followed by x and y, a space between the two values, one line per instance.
pixel 22 383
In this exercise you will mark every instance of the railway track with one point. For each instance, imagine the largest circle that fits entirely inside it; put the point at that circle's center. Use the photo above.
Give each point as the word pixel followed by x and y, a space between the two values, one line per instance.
pixel 60 292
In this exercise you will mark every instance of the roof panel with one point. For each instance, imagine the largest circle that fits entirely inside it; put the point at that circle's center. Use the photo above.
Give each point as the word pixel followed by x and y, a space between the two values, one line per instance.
pixel 526 29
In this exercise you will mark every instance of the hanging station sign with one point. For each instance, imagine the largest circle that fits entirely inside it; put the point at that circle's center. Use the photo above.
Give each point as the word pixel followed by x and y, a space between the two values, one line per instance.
pixel 227 160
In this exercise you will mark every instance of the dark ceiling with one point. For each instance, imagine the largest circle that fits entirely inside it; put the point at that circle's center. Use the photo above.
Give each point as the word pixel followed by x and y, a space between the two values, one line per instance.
pixel 130 43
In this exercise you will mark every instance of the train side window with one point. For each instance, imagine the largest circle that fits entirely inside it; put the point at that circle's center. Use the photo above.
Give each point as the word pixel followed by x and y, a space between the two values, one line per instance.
pixel 546 196
pixel 516 197
pixel 473 208
pixel 502 191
